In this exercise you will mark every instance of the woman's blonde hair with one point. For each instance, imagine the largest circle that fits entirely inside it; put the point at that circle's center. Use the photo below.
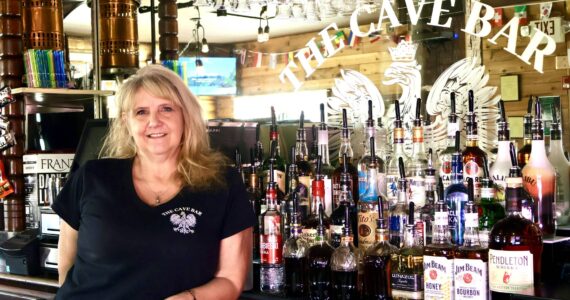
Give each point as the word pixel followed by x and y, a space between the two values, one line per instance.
pixel 199 166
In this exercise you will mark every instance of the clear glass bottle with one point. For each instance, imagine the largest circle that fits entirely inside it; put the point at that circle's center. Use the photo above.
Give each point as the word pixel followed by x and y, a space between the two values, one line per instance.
pixel 286 207
pixel 500 169
pixel 326 168
pixel 377 260
pixel 255 195
pixel 417 163
pixel 528 207
pixel 491 209
pixel 363 163
pixel 472 154
pixel 319 257
pixel 345 147
pixel 295 256
pixel 470 263
pixel 392 168
pixel 524 152
pixel 407 265
pixel 384 150
pixel 337 217
pixel 305 172
pixel 428 210
pixel 275 158
pixel 562 166
pixel 456 196
pixel 444 159
pixel 539 178
pixel 398 213
pixel 344 264
pixel 310 224
pixel 367 210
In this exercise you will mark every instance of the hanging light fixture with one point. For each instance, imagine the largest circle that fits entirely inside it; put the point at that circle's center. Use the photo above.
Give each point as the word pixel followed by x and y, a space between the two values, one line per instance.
pixel 266 30
pixel 260 35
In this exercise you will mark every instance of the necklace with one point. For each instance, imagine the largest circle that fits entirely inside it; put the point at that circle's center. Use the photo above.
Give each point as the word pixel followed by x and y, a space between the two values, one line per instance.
pixel 157 195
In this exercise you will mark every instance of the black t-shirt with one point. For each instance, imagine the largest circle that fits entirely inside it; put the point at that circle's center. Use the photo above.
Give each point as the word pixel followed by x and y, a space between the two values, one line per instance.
pixel 129 250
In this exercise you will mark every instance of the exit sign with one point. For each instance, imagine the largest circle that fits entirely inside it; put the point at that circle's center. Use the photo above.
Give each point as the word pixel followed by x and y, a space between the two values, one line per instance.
pixel 551 27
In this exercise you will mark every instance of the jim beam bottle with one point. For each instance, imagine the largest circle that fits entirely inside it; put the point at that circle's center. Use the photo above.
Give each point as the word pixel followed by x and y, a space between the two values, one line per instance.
pixel 472 154
pixel 271 272
pixel 278 162
pixel 295 255
pixel 393 168
pixel 438 258
pixel 524 152
pixel 345 147
pixel 539 178
pixel 407 265
pixel 515 248
pixel 444 159
pixel 470 263
pixel 377 260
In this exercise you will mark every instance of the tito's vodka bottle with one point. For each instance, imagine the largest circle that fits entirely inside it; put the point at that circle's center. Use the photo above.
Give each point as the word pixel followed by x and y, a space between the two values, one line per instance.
pixel 539 178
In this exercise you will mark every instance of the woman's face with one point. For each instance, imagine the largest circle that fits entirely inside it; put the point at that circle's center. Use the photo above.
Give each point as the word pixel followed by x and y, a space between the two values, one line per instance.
pixel 156 125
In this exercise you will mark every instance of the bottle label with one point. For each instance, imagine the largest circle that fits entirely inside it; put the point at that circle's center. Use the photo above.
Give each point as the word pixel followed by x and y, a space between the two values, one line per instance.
pixel 323 137
pixel 328 195
pixel 336 234
pixel 270 247
pixel 472 170
pixel 438 277
pixel 472 220
pixel 441 218
pixel 420 235
pixel 392 189
pixel 362 179
pixel 402 283
pixel 511 271
pixel 397 229
pixel 309 234
pixel 417 191
pixel 445 172
pixel 488 193
pixel 367 228
pixel 470 279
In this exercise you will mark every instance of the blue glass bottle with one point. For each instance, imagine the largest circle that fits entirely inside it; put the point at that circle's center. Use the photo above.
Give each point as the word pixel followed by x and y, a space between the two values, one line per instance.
pixel 456 196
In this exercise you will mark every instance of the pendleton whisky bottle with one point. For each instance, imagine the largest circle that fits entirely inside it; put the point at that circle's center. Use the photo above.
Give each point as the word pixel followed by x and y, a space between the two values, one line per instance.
pixel 393 168
pixel 345 147
pixel 539 178
pixel 275 158
pixel 344 264
pixel 470 263
pixel 524 152
pixel 472 154
pixel 438 258
pixel 295 255
pixel 407 265
pixel 319 268
pixel 444 159
pixel 377 260
pixel 345 201
pixel 515 248
pixel 370 151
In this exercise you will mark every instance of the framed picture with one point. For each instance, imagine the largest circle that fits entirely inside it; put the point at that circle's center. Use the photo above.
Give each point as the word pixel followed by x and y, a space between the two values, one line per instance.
pixel 550 107
pixel 510 88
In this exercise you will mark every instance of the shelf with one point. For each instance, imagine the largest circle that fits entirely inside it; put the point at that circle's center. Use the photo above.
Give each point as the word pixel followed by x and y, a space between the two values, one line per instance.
pixel 46 100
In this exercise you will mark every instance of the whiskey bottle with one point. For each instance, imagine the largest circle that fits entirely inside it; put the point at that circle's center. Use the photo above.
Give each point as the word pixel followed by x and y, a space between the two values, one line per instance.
pixel 444 159
pixel 271 271
pixel 524 152
pixel 428 210
pixel 456 196
pixel 417 163
pixel 393 168
pixel 295 255
pixel 515 248
pixel 367 210
pixel 345 201
pixel 344 264
pixel 539 178
pixel 326 168
pixel 470 263
pixel 562 166
pixel 370 152
pixel 528 207
pixel 438 258
pixel 278 162
pixel 407 265
pixel 345 147
pixel 319 267
pixel 398 212
pixel 377 260
pixel 500 169
pixel 304 170
pixel 491 210
pixel 255 195
pixel 472 154
pixel 310 224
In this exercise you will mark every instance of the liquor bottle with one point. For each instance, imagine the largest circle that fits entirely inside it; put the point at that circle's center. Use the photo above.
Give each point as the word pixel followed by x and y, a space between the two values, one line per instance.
pixel 286 207
pixel 398 213
pixel 562 166
pixel 539 178
pixel 456 196
pixel 444 161
pixel 428 210
pixel 417 163
pixel 407 265
pixel 258 151
pixel 304 169
pixel 393 168
pixel 314 146
pixel 528 207
pixel 472 154
pixel 524 152
pixel 384 150
pixel 470 263
pixel 255 195
pixel 515 247
pixel 363 163
pixel 345 147
pixel 326 168
pixel 428 132
pixel 295 255
pixel 344 264
pixel 438 258
pixel 319 267
pixel 271 271
pixel 345 200
pixel 377 260
pixel 310 224
pixel 502 165
pixel 367 210
pixel 491 210
pixel 278 162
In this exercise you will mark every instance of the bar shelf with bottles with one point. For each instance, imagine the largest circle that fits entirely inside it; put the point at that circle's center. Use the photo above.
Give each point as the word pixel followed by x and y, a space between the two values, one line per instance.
pixel 447 225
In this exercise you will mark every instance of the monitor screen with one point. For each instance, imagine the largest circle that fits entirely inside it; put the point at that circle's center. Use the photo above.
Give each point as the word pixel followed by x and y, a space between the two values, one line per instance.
pixel 217 76
pixel 90 142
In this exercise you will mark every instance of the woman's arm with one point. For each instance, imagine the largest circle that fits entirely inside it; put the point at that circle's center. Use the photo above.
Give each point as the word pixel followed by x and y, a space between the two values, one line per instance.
pixel 67 248
pixel 235 259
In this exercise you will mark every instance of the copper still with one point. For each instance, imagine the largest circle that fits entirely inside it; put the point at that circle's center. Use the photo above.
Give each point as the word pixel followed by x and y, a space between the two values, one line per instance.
pixel 43 24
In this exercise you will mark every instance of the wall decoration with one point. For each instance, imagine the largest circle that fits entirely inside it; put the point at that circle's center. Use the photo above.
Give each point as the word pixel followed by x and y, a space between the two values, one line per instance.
pixel 516 125
pixel 510 88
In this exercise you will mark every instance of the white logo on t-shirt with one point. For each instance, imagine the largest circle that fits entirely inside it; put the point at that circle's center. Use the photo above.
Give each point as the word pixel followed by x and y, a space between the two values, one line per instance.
pixel 183 223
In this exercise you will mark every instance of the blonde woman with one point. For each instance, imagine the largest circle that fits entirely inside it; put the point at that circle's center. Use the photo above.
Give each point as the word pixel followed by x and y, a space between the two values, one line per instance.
pixel 162 216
